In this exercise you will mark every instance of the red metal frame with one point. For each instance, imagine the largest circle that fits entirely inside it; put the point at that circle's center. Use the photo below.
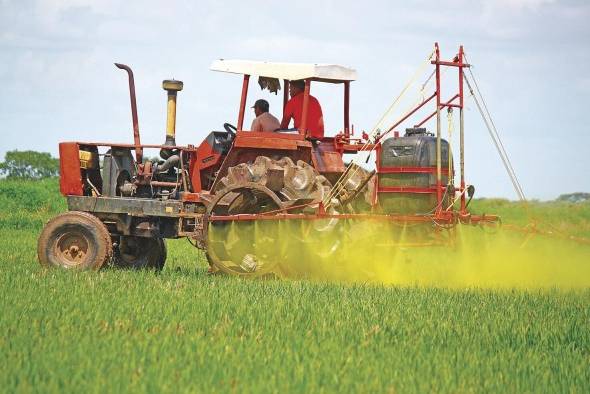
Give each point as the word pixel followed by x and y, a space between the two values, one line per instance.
pixel 412 112
pixel 240 124
pixel 136 140
pixel 438 133
pixel 438 188
pixel 444 218
pixel 443 105
pixel 463 208
pixel 70 176
pixel 303 126
pixel 285 94
pixel 347 109
pixel 411 170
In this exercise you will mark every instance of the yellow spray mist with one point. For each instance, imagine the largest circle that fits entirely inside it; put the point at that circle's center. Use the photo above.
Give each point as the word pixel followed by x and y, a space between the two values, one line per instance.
pixel 408 254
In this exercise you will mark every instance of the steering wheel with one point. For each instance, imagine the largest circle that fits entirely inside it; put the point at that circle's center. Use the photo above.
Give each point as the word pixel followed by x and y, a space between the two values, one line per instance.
pixel 231 130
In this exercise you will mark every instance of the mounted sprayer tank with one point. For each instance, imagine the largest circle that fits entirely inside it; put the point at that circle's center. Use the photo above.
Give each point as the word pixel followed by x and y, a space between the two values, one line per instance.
pixel 415 152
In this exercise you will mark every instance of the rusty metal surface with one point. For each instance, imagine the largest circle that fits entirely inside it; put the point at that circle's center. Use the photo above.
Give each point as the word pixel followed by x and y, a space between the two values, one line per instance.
pixel 261 140
pixel 131 206
pixel 149 207
pixel 238 156
pixel 70 179
pixel 326 159
pixel 225 201
pixel 436 219
pixel 136 140
pixel 188 148
pixel 243 101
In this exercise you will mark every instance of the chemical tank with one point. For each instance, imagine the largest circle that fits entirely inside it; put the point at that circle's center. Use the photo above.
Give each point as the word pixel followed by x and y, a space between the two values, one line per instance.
pixel 414 152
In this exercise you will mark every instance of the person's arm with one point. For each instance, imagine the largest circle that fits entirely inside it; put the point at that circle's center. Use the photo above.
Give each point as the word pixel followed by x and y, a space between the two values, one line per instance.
pixel 256 126
pixel 287 115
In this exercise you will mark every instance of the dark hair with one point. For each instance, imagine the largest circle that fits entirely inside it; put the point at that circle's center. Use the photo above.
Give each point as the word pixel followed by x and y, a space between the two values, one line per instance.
pixel 299 83
pixel 261 105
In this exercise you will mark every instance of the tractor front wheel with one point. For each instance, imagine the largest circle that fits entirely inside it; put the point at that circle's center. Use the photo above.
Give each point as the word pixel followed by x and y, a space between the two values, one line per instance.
pixel 74 240
pixel 140 253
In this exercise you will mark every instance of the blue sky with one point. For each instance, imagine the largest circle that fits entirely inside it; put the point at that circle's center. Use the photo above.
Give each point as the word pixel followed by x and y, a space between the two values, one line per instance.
pixel 531 57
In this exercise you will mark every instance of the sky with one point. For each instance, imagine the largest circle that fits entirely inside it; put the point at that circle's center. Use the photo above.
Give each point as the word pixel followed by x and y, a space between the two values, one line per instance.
pixel 531 59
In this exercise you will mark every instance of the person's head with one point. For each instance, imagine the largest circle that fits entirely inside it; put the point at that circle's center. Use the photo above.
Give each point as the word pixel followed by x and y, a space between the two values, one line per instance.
pixel 260 106
pixel 296 87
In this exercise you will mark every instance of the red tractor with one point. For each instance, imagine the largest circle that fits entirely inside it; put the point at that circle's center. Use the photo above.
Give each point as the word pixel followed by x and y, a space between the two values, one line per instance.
pixel 121 207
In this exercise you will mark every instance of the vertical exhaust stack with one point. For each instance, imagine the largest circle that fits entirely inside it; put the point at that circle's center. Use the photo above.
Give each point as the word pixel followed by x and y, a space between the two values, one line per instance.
pixel 136 140
pixel 172 87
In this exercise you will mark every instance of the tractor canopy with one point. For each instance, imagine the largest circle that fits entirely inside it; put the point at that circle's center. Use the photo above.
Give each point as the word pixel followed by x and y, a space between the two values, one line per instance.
pixel 287 71
pixel 269 76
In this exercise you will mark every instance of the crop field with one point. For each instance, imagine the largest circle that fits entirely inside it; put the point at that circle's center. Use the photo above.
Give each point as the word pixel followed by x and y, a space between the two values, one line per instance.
pixel 182 330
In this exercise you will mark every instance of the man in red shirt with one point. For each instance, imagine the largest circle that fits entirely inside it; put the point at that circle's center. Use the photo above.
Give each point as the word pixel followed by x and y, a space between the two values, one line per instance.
pixel 294 110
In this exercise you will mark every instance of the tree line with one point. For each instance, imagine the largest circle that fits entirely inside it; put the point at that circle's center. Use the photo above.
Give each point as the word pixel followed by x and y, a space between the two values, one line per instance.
pixel 29 164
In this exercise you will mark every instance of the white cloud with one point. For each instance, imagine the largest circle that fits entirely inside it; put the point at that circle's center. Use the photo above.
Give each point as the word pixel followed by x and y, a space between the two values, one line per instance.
pixel 583 84
pixel 506 9
pixel 521 4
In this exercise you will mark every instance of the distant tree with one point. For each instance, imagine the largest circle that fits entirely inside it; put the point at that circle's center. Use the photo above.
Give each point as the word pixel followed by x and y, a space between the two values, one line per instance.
pixel 29 164
pixel 574 197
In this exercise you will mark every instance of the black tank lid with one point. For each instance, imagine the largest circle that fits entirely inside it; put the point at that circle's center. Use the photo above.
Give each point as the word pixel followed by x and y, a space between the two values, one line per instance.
pixel 417 131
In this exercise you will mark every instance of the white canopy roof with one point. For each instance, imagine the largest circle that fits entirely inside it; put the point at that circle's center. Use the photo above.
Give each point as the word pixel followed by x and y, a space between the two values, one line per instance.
pixel 290 71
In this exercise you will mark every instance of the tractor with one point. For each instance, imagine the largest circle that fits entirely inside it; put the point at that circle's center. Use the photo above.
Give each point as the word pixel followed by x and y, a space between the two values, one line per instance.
pixel 122 206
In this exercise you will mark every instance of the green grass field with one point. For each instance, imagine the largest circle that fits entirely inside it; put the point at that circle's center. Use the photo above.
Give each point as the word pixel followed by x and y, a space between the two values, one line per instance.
pixel 184 331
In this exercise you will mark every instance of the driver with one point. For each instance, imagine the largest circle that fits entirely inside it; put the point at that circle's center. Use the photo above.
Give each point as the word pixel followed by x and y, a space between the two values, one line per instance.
pixel 294 110
pixel 264 120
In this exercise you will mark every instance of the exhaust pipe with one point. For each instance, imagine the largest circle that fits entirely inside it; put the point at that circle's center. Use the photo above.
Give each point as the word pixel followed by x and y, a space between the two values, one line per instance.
pixel 136 141
pixel 172 87
pixel 172 161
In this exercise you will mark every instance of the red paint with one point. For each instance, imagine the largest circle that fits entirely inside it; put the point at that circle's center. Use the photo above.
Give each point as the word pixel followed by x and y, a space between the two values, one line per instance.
pixel 411 170
pixel 347 109
pixel 445 217
pixel 327 159
pixel 410 113
pixel 443 105
pixel 285 94
pixel 269 140
pixel 202 164
pixel 408 189
pixel 70 175
pixel 438 162
pixel 303 128
pixel 191 197
pixel 450 64
pixel 243 102
pixel 136 140
pixel 463 207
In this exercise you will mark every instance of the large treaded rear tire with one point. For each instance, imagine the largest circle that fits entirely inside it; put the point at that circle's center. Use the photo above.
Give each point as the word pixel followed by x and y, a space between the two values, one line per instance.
pixel 264 186
pixel 75 240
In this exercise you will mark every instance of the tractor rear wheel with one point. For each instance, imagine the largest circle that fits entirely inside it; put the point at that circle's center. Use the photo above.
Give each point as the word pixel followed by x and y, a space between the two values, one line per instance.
pixel 74 240
pixel 254 248
pixel 140 253
pixel 241 249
